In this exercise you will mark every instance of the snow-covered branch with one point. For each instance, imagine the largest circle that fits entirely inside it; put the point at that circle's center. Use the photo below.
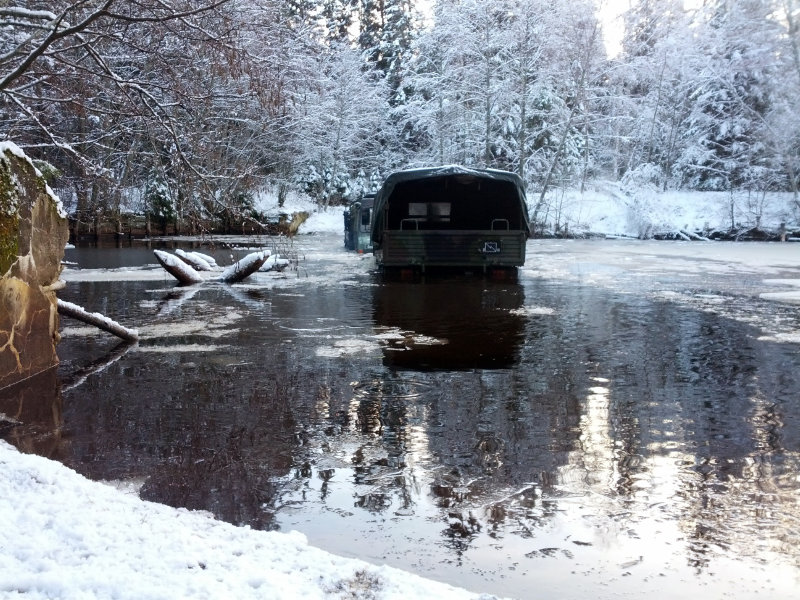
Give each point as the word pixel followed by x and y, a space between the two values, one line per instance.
pixel 68 309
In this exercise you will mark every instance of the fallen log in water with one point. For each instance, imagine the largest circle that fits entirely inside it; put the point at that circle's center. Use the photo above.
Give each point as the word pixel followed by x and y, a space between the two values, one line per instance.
pixel 244 267
pixel 195 260
pixel 274 262
pixel 68 309
pixel 206 257
pixel 181 271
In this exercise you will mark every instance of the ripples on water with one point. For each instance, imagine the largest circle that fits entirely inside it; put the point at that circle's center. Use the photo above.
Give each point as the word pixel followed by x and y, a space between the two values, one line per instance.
pixel 531 438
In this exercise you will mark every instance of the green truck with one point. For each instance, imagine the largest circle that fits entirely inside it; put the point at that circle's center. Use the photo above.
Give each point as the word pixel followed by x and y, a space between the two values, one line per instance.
pixel 450 216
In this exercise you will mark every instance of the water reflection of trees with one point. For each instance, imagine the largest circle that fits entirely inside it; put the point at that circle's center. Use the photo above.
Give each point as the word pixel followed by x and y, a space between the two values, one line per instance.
pixel 223 456
pixel 380 410
pixel 32 414
pixel 190 430
pixel 644 410
pixel 682 408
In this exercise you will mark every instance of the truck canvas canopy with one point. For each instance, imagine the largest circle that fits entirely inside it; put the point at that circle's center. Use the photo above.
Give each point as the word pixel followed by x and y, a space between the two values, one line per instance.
pixel 450 216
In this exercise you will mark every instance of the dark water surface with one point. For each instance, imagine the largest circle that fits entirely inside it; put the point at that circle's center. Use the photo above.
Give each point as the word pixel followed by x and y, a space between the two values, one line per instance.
pixel 576 432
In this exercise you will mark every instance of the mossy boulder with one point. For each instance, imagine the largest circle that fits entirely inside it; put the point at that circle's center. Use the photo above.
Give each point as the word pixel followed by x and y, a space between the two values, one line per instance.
pixel 33 233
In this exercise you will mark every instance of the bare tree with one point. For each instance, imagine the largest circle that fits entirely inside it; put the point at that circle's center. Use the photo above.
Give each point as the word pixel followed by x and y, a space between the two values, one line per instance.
pixel 135 90
pixel 582 37
pixel 45 47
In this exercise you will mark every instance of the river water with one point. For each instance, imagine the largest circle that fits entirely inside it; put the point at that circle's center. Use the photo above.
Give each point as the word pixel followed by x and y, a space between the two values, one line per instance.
pixel 620 420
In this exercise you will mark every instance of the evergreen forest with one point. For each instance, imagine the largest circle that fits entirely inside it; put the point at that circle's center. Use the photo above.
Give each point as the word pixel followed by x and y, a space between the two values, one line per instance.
pixel 183 112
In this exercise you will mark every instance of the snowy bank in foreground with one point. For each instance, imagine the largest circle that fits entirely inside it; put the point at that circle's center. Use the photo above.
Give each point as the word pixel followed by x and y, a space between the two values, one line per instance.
pixel 63 536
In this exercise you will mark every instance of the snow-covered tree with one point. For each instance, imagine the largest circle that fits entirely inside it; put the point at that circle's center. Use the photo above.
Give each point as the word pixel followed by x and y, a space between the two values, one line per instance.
pixel 339 17
pixel 649 88
pixel 387 29
pixel 341 125
pixel 114 91
pixel 783 118
pixel 457 81
pixel 579 46
pixel 726 140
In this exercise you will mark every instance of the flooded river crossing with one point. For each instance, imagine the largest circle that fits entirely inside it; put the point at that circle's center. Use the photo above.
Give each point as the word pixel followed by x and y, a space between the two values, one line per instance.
pixel 621 420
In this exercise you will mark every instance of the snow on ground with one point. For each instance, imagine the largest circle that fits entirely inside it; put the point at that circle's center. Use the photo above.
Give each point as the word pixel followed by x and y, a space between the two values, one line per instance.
pixel 605 208
pixel 63 536
pixel 757 269
pixel 330 220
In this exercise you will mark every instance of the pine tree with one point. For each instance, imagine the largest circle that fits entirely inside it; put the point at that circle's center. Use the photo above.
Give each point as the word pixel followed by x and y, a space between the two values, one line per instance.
pixel 387 31
pixel 652 95
pixel 728 147
pixel 339 17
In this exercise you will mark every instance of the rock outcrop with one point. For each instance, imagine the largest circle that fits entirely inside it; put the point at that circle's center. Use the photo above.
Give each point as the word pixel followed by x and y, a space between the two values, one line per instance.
pixel 33 233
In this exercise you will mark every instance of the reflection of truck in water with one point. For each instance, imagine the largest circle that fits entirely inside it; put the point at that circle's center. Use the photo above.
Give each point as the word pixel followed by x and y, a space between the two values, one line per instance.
pixel 450 216
pixel 450 322
pixel 358 224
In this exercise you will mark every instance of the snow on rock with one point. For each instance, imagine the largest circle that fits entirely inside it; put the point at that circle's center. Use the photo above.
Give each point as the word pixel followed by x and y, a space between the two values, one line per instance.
pixel 12 148
pixel 63 536
pixel 244 267
pixel 177 268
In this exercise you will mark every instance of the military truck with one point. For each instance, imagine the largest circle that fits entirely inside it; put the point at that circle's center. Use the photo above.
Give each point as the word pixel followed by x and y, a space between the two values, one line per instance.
pixel 450 216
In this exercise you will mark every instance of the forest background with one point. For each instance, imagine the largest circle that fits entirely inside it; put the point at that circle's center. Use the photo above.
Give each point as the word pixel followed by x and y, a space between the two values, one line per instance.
pixel 180 113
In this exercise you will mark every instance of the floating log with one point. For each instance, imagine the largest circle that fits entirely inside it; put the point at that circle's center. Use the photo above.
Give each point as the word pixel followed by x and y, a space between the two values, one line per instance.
pixel 181 271
pixel 197 261
pixel 68 309
pixel 274 262
pixel 244 267
pixel 209 259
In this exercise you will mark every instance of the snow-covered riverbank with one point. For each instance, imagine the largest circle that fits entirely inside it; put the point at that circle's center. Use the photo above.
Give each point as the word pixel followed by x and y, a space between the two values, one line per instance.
pixel 63 536
pixel 607 209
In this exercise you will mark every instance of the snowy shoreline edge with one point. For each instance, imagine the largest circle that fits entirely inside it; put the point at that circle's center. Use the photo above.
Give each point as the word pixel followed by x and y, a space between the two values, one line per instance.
pixel 64 536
